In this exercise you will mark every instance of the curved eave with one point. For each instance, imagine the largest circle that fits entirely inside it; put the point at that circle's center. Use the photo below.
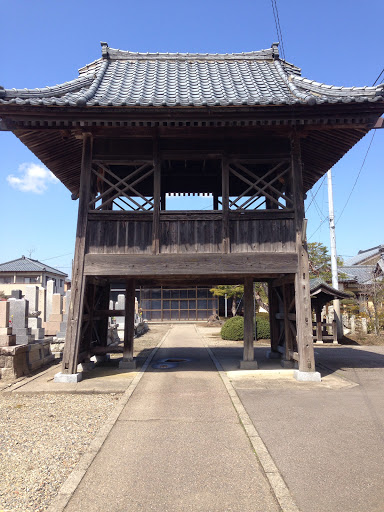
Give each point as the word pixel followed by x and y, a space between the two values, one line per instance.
pixel 328 131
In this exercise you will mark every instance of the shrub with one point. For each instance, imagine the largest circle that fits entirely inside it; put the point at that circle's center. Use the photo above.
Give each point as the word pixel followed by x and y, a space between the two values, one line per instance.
pixel 263 328
pixel 233 329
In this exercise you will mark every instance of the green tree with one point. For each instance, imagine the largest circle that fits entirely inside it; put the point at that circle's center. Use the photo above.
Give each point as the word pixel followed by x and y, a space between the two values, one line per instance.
pixel 233 292
pixel 320 262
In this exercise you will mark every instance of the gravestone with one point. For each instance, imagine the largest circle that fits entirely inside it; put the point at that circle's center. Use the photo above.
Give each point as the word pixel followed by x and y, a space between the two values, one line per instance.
pixel 42 304
pixel 18 310
pixel 49 298
pixel 35 321
pixel 16 294
pixel 54 320
pixel 7 339
pixel 63 325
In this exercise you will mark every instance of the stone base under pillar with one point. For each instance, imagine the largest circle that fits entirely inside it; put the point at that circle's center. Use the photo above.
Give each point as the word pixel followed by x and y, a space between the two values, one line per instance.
pixel 128 365
pixel 307 376
pixel 67 378
pixel 248 365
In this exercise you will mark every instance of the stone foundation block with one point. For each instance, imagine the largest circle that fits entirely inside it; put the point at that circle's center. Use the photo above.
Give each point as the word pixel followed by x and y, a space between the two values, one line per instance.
pixel 307 376
pixel 128 365
pixel 68 378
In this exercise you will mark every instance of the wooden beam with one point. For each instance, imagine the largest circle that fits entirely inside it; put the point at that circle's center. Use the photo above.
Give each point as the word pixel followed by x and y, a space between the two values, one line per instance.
pixel 249 313
pixel 129 321
pixel 302 290
pixel 183 265
pixel 72 338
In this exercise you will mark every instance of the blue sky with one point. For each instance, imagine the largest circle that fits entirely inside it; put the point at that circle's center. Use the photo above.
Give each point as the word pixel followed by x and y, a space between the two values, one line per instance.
pixel 45 42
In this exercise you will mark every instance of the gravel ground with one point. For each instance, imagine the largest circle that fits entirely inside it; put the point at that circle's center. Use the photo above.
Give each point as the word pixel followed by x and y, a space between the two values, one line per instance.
pixel 42 437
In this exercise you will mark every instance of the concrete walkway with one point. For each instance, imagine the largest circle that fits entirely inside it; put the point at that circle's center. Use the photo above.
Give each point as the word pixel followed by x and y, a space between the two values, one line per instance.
pixel 178 444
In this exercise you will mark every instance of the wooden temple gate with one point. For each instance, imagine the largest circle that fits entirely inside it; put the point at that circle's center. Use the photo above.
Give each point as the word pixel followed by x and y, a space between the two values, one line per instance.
pixel 244 128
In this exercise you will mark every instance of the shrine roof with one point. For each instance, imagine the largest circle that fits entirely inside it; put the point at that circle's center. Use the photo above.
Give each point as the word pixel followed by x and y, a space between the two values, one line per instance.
pixel 122 78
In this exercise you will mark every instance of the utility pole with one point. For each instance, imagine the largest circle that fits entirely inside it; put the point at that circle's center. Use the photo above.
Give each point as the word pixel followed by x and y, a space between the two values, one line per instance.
pixel 335 280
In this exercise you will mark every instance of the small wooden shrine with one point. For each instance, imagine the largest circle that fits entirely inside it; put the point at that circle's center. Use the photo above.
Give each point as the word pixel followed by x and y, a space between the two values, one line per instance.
pixel 244 128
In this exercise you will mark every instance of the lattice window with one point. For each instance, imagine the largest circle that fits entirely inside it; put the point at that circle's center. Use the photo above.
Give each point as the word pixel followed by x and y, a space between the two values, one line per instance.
pixel 124 188
pixel 256 186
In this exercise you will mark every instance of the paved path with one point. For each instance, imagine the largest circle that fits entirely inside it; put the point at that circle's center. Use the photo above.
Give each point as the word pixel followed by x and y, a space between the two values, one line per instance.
pixel 178 445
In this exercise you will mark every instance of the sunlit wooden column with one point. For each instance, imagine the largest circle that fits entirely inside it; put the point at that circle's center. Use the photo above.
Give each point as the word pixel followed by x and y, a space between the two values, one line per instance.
pixel 75 313
pixel 129 326
pixel 248 361
pixel 302 291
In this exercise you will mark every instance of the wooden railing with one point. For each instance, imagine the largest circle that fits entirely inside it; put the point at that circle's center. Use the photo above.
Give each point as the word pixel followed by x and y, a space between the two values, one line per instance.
pixel 190 232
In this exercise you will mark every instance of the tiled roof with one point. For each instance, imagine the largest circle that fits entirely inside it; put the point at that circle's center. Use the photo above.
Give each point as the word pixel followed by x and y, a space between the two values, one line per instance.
pixel 24 264
pixel 122 78
pixel 317 285
pixel 364 255
pixel 359 273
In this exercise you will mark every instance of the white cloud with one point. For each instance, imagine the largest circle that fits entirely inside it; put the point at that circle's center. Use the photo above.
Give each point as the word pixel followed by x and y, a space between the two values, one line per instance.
pixel 32 178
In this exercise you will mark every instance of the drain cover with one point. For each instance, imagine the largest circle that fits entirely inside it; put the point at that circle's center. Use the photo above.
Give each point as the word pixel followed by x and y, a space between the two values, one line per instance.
pixel 164 366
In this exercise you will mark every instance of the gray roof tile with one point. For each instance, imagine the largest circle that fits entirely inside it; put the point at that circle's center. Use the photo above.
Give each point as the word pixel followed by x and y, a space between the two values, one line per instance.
pixel 122 78
pixel 28 265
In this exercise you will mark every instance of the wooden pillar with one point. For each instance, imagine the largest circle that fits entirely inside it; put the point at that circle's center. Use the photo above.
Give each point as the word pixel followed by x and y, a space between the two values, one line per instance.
pixel 273 322
pixel 319 332
pixel 156 200
pixel 75 314
pixel 288 335
pixel 163 202
pixel 225 205
pixel 249 311
pixel 302 291
pixel 129 320
pixel 215 202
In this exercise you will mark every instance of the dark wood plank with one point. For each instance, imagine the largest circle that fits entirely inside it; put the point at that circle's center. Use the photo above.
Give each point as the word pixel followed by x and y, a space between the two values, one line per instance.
pixel 72 338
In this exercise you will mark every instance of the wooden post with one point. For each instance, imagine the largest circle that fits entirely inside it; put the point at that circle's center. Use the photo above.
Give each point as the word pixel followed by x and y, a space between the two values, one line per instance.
pixel 215 202
pixel 225 205
pixel 249 311
pixel 156 199
pixel 129 320
pixel 75 314
pixel 302 291
pixel 287 297
pixel 319 332
pixel 273 323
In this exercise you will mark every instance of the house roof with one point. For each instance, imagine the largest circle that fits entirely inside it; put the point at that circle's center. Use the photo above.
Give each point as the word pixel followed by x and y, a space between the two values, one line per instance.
pixel 361 274
pixel 364 255
pixel 124 78
pixel 24 264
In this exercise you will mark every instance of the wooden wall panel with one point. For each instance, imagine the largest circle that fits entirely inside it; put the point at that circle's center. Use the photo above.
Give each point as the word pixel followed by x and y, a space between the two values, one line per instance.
pixel 194 235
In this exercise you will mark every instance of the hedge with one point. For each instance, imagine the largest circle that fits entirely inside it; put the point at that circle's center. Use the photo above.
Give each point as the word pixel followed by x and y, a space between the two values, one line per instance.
pixel 233 329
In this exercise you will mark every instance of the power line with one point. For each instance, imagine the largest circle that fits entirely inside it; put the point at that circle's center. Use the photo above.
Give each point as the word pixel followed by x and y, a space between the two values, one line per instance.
pixel 278 27
pixel 321 223
pixel 54 257
pixel 378 78
pixel 313 196
pixel 358 175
